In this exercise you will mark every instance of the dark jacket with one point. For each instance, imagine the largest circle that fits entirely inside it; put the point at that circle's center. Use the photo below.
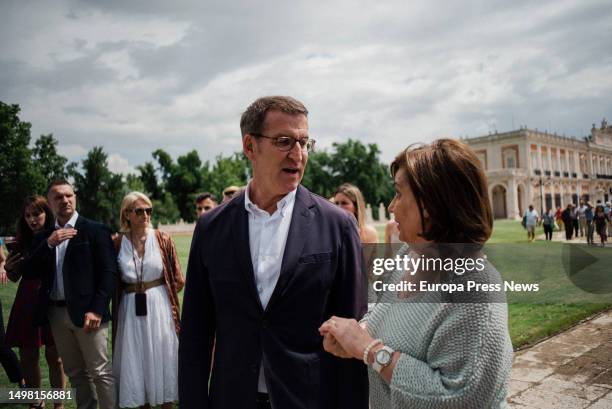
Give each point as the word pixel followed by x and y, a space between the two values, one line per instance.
pixel 89 270
pixel 321 275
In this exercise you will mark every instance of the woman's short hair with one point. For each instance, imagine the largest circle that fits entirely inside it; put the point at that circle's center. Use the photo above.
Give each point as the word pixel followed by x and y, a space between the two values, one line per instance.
pixel 24 234
pixel 447 179
pixel 126 205
pixel 354 194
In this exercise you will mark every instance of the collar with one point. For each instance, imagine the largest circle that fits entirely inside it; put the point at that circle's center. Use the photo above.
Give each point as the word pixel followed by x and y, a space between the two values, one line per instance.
pixel 282 205
pixel 69 223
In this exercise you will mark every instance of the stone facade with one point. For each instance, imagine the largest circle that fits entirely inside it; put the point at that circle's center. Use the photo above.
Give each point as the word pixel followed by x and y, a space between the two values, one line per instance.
pixel 527 166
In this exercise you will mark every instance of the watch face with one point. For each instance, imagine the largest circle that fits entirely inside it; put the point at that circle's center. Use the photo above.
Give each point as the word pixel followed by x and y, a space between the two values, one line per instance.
pixel 383 357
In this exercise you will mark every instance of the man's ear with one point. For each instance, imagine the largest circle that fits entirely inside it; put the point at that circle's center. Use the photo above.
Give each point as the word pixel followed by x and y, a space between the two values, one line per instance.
pixel 247 145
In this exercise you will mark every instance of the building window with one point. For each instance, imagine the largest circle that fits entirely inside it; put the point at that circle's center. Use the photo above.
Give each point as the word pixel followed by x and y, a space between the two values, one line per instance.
pixel 545 161
pixel 482 157
pixel 510 162
pixel 534 160
pixel 563 161
pixel 583 164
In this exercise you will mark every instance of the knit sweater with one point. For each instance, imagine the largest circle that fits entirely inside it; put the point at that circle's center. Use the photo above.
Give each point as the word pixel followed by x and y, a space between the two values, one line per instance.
pixel 453 355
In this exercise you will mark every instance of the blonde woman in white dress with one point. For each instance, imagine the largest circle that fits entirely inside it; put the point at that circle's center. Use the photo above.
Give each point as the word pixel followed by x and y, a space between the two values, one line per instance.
pixel 146 310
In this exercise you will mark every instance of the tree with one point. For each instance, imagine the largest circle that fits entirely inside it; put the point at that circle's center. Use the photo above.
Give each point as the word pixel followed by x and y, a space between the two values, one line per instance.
pixel 318 177
pixel 181 179
pixel 19 177
pixel 134 183
pixel 227 171
pixel 165 210
pixel 148 176
pixel 50 164
pixel 356 163
pixel 99 191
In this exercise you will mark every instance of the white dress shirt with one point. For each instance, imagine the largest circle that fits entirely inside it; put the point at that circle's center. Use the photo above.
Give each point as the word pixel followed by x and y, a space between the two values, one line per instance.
pixel 267 240
pixel 57 293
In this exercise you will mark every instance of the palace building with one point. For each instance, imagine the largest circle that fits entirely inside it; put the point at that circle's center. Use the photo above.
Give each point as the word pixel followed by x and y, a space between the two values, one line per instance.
pixel 526 167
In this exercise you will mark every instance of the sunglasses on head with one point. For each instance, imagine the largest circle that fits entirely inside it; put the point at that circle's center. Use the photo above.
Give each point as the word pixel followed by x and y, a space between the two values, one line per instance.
pixel 142 210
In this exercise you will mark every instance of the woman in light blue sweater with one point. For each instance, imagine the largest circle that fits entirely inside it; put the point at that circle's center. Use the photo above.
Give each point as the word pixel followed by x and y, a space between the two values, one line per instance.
pixel 435 348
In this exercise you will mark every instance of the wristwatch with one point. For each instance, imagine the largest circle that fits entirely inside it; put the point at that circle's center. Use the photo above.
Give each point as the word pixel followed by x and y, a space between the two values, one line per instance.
pixel 382 358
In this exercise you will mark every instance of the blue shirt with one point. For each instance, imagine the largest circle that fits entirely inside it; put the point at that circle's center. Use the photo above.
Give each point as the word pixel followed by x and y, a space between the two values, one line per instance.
pixel 588 214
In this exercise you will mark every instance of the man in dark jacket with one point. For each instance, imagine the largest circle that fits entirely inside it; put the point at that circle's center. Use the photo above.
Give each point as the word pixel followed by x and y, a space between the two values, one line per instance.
pixel 266 269
pixel 79 268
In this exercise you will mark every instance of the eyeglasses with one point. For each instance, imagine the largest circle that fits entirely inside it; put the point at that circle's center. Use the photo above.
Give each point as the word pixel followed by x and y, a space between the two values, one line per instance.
pixel 286 143
pixel 142 210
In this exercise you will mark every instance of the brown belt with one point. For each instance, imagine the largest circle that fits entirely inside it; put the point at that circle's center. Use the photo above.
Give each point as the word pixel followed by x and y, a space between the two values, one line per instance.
pixel 135 287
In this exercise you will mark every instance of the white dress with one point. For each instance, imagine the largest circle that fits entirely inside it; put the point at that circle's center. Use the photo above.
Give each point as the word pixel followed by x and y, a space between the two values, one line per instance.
pixel 145 361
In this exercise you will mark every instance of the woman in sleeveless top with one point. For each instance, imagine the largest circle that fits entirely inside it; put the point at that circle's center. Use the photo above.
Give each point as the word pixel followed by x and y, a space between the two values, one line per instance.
pixel 145 361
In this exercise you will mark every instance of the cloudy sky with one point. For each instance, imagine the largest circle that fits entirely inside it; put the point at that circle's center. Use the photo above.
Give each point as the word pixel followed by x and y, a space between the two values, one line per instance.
pixel 134 76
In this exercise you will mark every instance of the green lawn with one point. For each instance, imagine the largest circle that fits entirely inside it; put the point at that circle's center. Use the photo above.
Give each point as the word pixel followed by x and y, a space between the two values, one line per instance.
pixel 528 322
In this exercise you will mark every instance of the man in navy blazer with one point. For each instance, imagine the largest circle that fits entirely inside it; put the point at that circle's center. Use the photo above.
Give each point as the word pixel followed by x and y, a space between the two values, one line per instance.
pixel 79 269
pixel 265 271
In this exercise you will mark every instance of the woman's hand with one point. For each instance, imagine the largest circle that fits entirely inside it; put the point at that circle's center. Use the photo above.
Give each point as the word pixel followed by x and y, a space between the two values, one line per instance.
pixel 13 261
pixel 331 345
pixel 344 337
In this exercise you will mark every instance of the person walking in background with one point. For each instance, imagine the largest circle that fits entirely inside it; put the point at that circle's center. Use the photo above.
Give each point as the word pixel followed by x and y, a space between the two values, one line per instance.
pixel 558 218
pixel 582 225
pixel 600 221
pixel 79 267
pixel 8 359
pixel 589 216
pixel 608 213
pixel 548 221
pixel 265 270
pixel 36 218
pixel 205 202
pixel 350 198
pixel 575 224
pixel 531 221
pixel 146 309
pixel 566 216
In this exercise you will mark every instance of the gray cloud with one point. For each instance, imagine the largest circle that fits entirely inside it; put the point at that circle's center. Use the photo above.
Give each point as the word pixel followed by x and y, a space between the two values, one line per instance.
pixel 139 75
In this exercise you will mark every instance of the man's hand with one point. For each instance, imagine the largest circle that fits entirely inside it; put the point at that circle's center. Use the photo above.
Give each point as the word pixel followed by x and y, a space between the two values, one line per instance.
pixel 60 235
pixel 92 322
pixel 3 277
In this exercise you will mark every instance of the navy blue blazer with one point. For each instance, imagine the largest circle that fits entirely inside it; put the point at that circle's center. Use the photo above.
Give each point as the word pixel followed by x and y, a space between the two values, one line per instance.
pixel 89 272
pixel 321 275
